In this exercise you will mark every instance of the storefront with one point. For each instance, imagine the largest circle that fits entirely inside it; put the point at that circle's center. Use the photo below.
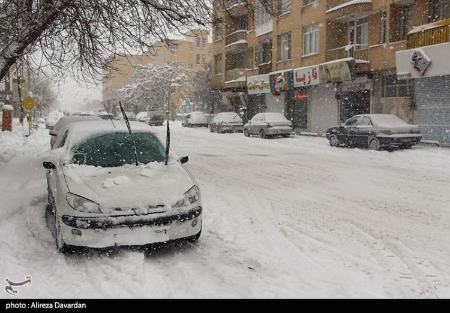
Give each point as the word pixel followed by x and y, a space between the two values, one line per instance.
pixel 429 66
pixel 314 104
pixel 311 97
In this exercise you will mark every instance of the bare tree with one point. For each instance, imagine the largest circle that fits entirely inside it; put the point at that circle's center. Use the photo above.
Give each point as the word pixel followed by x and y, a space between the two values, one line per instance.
pixel 42 89
pixel 77 36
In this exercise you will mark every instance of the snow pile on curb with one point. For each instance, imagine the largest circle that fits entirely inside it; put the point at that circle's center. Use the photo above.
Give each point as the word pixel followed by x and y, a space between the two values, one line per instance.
pixel 15 143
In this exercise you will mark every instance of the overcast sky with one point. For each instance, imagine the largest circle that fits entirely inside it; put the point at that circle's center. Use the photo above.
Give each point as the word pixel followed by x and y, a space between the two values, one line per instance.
pixel 72 95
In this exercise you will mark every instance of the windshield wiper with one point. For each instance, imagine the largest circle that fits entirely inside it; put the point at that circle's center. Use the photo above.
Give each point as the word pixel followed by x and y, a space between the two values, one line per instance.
pixel 129 130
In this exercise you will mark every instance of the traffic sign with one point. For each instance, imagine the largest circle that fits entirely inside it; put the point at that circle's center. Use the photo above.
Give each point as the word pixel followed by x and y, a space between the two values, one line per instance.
pixel 28 103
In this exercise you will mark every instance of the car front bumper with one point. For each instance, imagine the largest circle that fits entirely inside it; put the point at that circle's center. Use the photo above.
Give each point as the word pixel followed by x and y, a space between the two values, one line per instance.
pixel 129 230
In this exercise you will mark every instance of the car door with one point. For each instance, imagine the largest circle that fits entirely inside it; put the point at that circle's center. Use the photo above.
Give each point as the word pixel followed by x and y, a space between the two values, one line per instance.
pixel 349 130
pixel 363 130
pixel 256 124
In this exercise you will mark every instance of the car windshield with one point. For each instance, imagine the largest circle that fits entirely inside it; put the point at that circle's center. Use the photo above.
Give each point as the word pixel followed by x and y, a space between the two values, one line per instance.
pixel 387 120
pixel 275 117
pixel 117 149
pixel 229 117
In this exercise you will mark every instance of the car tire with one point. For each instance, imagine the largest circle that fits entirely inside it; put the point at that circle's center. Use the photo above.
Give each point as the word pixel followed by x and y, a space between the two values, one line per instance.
pixel 262 134
pixel 374 144
pixel 334 141
pixel 194 238
pixel 246 133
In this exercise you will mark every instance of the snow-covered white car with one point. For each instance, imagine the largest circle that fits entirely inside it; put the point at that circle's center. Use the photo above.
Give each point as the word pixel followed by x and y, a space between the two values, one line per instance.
pixel 195 119
pixel 101 198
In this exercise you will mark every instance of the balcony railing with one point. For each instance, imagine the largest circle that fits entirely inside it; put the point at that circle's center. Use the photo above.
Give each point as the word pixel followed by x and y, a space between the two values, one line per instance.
pixel 265 68
pixel 239 36
pixel 356 51
pixel 236 7
pixel 430 34
pixel 236 74
pixel 333 5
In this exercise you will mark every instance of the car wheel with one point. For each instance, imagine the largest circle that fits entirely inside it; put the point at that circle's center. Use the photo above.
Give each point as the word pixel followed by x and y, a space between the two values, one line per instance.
pixel 334 141
pixel 246 133
pixel 374 144
pixel 195 237
pixel 262 134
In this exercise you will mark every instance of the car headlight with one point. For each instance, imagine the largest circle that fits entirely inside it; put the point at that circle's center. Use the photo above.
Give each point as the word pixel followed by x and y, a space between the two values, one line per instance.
pixel 81 204
pixel 191 196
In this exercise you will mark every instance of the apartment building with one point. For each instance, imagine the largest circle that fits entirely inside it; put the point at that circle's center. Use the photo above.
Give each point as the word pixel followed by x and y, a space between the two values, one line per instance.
pixel 317 61
pixel 192 52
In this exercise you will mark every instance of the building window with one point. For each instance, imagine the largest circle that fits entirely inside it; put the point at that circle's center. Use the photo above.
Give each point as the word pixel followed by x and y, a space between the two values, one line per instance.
pixel 218 64
pixel 311 39
pixel 400 22
pixel 439 9
pixel 393 87
pixel 201 42
pixel 284 47
pixel 383 27
pixel 308 2
pixel 358 33
pixel 218 30
pixel 203 59
pixel 259 55
pixel 284 6
pixel 404 22
pixel 262 16
pixel 198 59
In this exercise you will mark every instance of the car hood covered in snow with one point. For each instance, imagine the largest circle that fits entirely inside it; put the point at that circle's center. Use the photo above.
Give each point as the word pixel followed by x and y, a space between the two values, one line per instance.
pixel 121 189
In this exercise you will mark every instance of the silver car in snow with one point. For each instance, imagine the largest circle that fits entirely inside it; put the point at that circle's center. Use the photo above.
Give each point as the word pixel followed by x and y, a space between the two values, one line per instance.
pixel 226 122
pixel 268 124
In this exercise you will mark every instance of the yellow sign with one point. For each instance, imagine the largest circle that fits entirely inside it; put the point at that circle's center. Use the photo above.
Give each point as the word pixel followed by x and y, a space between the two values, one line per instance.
pixel 28 103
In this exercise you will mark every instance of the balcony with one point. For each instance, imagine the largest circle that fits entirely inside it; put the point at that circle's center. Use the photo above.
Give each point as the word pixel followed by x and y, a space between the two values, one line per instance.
pixel 236 7
pixel 358 52
pixel 236 75
pixel 265 68
pixel 429 34
pixel 236 41
pixel 338 9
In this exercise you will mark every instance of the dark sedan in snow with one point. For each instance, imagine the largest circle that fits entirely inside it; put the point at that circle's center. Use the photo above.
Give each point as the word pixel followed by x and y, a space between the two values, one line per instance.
pixel 375 131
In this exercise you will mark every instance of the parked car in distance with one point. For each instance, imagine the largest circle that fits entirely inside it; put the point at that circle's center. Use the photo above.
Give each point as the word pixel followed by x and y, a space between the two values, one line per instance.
pixel 142 116
pixel 106 116
pixel 195 119
pixel 375 131
pixel 226 122
pixel 155 118
pixel 99 198
pixel 64 122
pixel 269 124
pixel 130 115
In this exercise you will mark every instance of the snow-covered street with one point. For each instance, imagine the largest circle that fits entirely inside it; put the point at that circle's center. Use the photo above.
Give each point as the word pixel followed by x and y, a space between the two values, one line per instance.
pixel 282 218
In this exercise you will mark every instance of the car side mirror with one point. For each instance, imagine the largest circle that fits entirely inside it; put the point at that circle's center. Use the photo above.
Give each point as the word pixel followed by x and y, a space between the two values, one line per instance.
pixel 49 165
pixel 79 158
pixel 184 160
